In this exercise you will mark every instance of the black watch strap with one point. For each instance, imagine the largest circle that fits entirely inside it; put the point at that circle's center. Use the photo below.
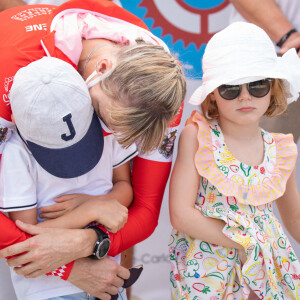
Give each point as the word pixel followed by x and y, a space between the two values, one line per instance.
pixel 285 37
pixel 102 244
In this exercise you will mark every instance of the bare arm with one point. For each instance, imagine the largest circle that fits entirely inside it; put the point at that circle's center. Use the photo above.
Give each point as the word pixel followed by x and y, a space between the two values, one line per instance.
pixel 267 15
pixel 121 191
pixel 289 207
pixel 27 216
pixel 108 210
pixel 183 190
pixel 5 4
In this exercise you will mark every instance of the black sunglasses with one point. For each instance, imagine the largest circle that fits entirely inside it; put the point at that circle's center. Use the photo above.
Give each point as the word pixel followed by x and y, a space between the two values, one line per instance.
pixel 258 89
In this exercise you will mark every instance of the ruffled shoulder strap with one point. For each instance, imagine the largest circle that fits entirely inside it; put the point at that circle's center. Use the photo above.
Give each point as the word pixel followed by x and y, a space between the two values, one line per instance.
pixel 269 189
pixel 286 153
pixel 202 123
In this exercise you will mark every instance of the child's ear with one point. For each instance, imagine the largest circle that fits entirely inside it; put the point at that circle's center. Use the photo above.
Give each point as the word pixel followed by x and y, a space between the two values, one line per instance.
pixel 13 119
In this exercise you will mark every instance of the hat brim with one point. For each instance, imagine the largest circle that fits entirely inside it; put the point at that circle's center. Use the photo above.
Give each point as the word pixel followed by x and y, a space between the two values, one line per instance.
pixel 204 90
pixel 285 68
pixel 75 160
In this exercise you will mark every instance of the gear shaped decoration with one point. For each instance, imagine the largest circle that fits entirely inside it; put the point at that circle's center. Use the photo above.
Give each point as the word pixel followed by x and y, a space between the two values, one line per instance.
pixel 178 33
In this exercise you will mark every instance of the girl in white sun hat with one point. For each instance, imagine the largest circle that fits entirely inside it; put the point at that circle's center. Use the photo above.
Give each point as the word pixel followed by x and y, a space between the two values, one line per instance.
pixel 226 242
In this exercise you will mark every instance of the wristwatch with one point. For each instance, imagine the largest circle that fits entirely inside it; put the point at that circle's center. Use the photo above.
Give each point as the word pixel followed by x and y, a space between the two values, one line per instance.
pixel 102 244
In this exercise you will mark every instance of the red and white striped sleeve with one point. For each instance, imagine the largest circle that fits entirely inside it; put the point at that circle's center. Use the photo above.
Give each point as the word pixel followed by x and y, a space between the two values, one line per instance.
pixel 11 234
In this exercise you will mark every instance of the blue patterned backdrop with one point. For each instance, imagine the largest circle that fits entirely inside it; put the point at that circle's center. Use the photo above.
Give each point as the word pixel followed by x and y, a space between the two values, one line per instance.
pixel 184 25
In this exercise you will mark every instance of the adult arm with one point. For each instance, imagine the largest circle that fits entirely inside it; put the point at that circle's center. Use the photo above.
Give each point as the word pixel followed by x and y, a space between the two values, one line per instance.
pixel 38 259
pixel 51 248
pixel 267 15
pixel 47 251
pixel 149 178
pixel 184 185
pixel 102 277
pixel 12 235
pixel 5 4
pixel 289 207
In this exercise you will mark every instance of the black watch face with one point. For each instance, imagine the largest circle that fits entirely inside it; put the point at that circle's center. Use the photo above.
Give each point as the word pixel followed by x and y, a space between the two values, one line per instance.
pixel 103 248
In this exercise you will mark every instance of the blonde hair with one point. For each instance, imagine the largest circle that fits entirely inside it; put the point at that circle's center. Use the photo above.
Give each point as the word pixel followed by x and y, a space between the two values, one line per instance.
pixel 278 102
pixel 148 88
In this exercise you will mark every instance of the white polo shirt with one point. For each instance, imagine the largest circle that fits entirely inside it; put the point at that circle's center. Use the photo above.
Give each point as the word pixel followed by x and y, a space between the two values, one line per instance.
pixel 24 184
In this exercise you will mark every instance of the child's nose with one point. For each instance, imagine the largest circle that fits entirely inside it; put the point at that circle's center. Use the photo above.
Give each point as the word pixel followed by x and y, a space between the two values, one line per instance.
pixel 244 95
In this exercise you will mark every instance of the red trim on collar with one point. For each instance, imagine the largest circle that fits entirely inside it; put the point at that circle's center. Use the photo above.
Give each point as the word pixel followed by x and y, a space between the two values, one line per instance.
pixel 105 133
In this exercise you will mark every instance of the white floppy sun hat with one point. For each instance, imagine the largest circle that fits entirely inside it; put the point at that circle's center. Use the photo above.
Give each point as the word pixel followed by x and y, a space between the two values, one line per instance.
pixel 241 53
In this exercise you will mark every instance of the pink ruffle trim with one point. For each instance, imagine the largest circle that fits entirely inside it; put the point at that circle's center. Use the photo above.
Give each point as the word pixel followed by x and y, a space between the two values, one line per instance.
pixel 267 191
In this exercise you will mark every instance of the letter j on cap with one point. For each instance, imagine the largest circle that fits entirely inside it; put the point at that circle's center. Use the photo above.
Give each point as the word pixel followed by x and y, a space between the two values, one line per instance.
pixel 67 119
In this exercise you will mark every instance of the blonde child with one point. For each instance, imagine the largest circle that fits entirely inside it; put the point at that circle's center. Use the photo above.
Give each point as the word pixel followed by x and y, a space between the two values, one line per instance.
pixel 226 242
pixel 61 147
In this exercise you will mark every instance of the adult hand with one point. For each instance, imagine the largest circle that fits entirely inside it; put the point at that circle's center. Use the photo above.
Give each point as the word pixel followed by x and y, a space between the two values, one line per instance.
pixel 292 42
pixel 49 249
pixel 63 205
pixel 100 278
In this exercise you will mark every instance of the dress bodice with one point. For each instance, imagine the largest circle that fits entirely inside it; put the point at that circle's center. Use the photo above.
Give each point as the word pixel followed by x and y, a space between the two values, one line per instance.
pixel 254 185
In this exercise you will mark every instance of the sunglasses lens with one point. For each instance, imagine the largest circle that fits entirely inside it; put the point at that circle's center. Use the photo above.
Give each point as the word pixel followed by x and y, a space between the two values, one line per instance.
pixel 259 88
pixel 229 92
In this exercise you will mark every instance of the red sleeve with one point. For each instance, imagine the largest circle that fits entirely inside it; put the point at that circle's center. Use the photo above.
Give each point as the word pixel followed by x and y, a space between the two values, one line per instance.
pixel 149 179
pixel 62 272
pixel 10 233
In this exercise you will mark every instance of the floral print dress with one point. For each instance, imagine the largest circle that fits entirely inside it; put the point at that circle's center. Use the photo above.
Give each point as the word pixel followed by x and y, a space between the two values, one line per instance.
pixel 241 196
